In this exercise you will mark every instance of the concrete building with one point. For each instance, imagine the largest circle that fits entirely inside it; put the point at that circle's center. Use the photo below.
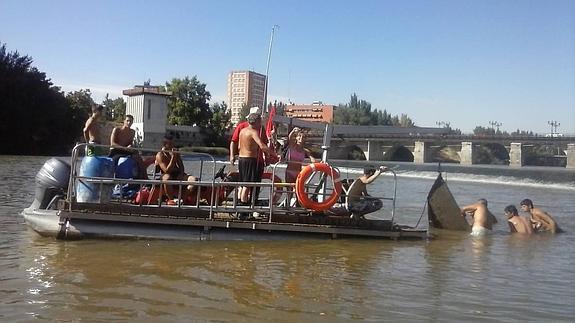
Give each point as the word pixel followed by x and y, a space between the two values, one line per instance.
pixel 313 112
pixel 244 88
pixel 149 106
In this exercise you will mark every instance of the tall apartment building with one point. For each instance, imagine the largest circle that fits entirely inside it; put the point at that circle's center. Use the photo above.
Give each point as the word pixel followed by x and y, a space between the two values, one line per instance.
pixel 244 87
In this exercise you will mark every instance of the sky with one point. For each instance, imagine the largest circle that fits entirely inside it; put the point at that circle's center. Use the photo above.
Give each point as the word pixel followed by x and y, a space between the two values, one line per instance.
pixel 464 62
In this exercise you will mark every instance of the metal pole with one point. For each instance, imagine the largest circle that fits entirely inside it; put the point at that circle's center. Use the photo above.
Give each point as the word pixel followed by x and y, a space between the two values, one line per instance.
pixel 265 106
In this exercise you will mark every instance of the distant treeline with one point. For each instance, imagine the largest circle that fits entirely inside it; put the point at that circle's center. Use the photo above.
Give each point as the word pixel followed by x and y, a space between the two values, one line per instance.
pixel 38 118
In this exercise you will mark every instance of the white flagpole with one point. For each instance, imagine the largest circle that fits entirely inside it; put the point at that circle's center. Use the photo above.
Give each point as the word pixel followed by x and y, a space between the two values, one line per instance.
pixel 265 106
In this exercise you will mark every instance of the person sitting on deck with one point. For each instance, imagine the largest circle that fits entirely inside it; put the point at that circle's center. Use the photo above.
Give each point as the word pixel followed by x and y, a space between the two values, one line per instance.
pixel 121 141
pixel 517 224
pixel 483 219
pixel 540 220
pixel 172 167
pixel 359 202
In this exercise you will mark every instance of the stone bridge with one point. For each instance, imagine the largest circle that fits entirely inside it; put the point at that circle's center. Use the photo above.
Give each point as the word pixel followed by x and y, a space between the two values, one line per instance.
pixel 422 145
pixel 467 150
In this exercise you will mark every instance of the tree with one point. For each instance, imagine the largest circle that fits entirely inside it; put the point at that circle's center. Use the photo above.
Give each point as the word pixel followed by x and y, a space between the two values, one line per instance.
pixel 218 125
pixel 244 111
pixel 405 121
pixel 188 104
pixel 81 104
pixel 525 133
pixel 34 115
pixel 359 112
pixel 115 109
pixel 483 131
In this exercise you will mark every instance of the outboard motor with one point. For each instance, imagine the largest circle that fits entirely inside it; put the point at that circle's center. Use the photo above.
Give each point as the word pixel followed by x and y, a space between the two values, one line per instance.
pixel 51 180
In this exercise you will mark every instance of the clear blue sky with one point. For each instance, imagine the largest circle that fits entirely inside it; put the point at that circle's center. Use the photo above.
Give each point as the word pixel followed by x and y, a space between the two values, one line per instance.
pixel 463 62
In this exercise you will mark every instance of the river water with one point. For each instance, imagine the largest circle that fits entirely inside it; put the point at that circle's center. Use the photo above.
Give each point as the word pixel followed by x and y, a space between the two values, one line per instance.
pixel 451 277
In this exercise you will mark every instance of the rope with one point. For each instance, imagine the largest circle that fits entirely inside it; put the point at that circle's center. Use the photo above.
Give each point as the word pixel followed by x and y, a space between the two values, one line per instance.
pixel 421 216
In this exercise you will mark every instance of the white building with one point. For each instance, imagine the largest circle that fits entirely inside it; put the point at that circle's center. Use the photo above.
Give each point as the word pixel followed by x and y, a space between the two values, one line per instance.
pixel 244 88
pixel 149 106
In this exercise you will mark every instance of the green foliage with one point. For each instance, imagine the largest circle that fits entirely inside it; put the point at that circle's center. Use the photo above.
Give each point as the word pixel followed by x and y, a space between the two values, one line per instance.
pixel 452 131
pixel 358 112
pixel 523 133
pixel 115 109
pixel 485 131
pixel 34 115
pixel 218 125
pixel 81 104
pixel 244 112
pixel 188 104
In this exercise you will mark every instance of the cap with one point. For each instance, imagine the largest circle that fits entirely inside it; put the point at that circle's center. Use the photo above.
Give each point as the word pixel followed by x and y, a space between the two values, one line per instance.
pixel 256 110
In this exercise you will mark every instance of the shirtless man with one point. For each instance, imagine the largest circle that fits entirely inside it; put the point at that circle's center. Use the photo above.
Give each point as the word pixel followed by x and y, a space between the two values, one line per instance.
pixel 483 219
pixel 517 224
pixel 250 167
pixel 172 167
pixel 235 138
pixel 92 132
pixel 540 220
pixel 359 202
pixel 121 141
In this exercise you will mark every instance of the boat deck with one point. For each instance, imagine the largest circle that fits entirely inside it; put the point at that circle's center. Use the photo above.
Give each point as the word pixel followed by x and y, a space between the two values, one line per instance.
pixel 283 219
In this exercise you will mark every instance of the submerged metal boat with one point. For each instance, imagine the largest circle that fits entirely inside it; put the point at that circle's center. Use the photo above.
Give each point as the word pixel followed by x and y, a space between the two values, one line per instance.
pixel 443 211
pixel 74 203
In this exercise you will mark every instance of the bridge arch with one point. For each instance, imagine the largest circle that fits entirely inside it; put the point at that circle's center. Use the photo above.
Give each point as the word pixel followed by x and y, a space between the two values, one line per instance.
pixel 349 152
pixel 445 154
pixel 398 152
pixel 545 155
pixel 491 153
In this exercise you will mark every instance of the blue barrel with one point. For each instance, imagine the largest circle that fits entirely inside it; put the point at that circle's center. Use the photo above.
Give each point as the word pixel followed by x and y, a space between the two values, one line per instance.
pixel 87 192
pixel 127 168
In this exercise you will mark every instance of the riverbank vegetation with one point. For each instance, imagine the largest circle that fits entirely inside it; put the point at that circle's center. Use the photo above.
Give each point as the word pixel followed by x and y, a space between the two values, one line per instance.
pixel 38 118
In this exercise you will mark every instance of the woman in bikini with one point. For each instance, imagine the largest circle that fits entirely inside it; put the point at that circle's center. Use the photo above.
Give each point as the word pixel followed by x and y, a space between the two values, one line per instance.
pixel 296 154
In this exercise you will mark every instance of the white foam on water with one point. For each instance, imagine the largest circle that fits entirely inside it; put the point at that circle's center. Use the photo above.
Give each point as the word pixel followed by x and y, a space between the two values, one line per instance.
pixel 487 179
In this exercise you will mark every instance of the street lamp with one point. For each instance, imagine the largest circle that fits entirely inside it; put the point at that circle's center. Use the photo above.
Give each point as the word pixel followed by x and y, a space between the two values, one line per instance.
pixel 554 124
pixel 495 124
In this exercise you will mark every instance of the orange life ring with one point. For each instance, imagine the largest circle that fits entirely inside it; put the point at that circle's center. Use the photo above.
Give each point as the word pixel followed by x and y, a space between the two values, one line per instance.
pixel 301 194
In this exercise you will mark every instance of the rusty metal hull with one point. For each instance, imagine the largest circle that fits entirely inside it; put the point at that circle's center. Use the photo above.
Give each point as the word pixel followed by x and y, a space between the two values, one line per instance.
pixel 443 211
pixel 70 225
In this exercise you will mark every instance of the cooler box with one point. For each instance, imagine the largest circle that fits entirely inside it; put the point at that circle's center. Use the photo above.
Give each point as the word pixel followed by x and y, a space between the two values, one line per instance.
pixel 87 192
pixel 127 168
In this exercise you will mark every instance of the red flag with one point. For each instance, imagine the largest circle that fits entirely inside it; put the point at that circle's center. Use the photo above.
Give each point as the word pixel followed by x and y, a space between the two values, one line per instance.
pixel 270 127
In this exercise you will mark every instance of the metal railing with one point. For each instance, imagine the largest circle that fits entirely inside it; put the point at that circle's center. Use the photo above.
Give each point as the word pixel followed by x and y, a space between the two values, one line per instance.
pixel 217 188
